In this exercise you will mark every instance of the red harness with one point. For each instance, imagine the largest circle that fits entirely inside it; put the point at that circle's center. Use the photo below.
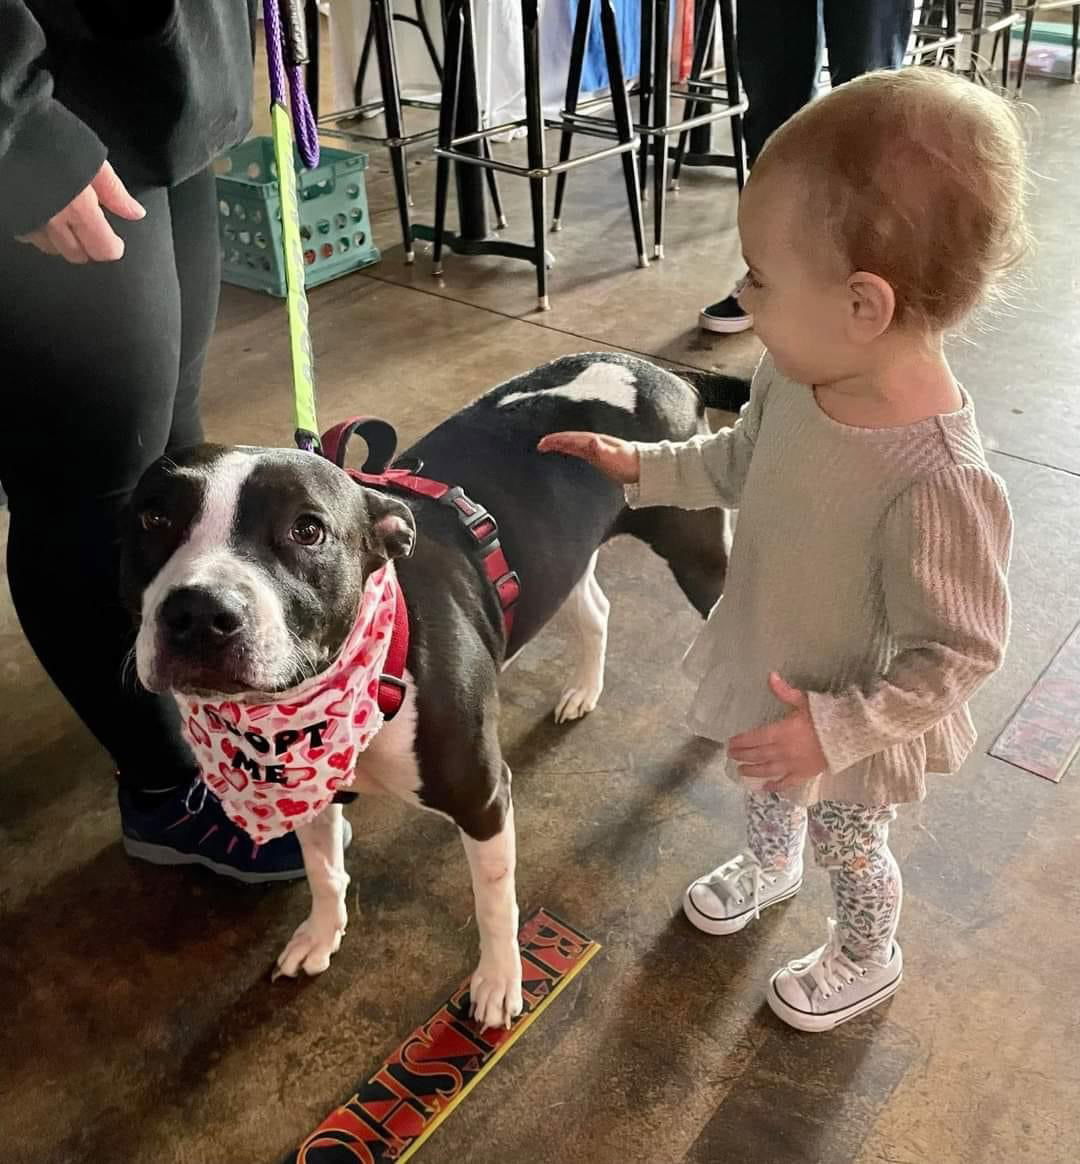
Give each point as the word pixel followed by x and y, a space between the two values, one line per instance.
pixel 477 521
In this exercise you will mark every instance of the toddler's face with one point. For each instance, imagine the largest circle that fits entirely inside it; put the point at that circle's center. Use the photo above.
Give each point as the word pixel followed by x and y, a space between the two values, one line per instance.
pixel 799 300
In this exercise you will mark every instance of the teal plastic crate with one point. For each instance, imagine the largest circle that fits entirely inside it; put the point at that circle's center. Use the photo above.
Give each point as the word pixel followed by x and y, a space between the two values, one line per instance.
pixel 334 224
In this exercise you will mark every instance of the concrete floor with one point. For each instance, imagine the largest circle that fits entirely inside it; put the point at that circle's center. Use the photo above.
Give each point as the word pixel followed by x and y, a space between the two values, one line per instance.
pixel 140 1021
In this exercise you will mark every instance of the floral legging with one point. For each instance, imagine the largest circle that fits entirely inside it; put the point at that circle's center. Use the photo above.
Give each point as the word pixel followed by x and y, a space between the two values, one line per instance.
pixel 851 841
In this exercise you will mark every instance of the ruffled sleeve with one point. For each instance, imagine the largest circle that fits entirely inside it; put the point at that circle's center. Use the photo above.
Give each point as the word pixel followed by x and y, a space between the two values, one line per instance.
pixel 945 555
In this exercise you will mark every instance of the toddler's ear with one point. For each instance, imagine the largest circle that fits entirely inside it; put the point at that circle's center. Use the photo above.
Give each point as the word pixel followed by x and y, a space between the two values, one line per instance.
pixel 872 306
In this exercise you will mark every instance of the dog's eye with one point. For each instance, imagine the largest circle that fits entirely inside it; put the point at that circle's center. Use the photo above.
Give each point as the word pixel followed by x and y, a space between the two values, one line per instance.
pixel 153 519
pixel 307 531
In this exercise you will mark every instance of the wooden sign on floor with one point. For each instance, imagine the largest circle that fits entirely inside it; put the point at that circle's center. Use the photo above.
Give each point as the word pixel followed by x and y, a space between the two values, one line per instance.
pixel 435 1068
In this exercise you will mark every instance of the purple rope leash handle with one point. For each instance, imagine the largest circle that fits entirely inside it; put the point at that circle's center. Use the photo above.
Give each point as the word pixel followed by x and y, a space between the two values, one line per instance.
pixel 290 78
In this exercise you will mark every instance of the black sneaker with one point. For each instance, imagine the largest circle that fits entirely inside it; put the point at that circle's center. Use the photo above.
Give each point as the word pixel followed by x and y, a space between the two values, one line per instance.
pixel 726 317
pixel 189 827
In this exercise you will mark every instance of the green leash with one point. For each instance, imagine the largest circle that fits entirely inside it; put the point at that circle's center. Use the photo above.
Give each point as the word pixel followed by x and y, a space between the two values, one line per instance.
pixel 303 369
pixel 287 15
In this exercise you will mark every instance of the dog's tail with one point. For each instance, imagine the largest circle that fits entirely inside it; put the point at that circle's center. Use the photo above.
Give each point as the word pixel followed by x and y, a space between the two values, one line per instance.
pixel 717 390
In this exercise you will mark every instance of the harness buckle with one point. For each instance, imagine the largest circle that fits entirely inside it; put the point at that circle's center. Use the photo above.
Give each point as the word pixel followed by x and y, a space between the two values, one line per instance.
pixel 481 525
pixel 508 588
pixel 400 686
pixel 485 531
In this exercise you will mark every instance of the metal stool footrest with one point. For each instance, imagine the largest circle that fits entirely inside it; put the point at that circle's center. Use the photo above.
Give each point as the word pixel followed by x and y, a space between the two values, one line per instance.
pixel 472 149
pixel 706 101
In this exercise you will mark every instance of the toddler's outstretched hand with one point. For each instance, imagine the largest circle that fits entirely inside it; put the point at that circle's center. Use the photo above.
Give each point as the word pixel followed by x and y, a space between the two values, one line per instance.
pixel 615 458
pixel 784 754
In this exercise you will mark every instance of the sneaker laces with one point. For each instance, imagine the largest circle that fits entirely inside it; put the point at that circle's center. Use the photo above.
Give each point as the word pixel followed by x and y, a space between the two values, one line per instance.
pixel 195 797
pixel 737 879
pixel 830 969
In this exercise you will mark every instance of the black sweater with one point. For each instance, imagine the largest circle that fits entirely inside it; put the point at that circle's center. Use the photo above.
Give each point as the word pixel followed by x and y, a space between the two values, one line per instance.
pixel 160 87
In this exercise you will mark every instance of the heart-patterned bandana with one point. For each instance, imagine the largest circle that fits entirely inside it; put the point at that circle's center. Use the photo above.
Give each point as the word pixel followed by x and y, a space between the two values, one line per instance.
pixel 277 765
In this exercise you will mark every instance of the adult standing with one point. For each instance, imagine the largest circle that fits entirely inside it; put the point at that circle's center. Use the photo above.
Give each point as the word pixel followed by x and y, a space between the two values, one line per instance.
pixel 781 47
pixel 110 116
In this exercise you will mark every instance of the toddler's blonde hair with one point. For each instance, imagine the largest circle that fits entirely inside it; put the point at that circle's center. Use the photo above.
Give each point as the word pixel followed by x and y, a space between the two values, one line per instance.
pixel 919 176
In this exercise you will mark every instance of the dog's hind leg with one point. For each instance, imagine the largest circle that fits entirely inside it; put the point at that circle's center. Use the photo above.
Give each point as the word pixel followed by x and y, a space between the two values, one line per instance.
pixel 322 842
pixel 693 542
pixel 588 608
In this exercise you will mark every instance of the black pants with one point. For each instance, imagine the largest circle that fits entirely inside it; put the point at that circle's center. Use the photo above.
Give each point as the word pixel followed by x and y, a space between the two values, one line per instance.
pixel 780 52
pixel 99 375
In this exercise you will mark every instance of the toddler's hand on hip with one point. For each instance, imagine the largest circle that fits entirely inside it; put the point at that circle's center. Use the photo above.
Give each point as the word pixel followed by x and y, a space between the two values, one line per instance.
pixel 782 755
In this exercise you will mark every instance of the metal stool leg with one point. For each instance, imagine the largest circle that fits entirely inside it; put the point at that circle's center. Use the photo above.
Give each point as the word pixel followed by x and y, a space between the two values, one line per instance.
pixel 621 103
pixel 976 38
pixel 448 107
pixel 645 90
pixel 362 68
pixel 1004 41
pixel 534 123
pixel 469 180
pixel 661 117
pixel 703 38
pixel 573 92
pixel 734 94
pixel 382 20
pixel 493 187
pixel 1022 70
pixel 1075 44
pixel 421 23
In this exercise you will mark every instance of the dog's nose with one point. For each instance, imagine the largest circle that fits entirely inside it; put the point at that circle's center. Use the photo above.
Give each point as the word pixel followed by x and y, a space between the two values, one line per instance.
pixel 193 615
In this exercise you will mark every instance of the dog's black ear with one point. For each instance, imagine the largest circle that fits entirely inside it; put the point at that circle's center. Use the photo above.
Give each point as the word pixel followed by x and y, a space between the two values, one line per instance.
pixel 392 533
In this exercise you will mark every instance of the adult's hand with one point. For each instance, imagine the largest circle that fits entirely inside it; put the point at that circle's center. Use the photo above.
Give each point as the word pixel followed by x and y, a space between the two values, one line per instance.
pixel 80 232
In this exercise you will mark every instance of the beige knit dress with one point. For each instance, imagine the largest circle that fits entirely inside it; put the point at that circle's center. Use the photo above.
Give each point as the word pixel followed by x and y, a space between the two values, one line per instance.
pixel 868 569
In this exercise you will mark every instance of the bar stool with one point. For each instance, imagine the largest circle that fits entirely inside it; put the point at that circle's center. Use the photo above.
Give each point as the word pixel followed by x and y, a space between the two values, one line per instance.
pixel 417 21
pixel 702 89
pixel 1034 9
pixel 936 36
pixel 707 100
pixel 390 105
pixel 1000 17
pixel 454 146
pixel 344 123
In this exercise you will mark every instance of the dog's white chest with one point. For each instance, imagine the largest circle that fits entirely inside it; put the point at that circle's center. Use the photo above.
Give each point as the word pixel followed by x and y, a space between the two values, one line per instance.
pixel 390 763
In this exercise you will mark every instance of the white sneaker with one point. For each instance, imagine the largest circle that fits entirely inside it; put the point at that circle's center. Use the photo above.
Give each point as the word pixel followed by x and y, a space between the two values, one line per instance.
pixel 826 988
pixel 735 893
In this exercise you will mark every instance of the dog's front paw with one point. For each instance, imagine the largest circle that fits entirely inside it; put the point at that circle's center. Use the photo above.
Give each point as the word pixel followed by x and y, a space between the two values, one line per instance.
pixel 580 697
pixel 495 990
pixel 311 947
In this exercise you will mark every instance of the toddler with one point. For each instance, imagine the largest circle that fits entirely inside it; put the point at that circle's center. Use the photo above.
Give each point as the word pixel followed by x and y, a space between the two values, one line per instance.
pixel 866 599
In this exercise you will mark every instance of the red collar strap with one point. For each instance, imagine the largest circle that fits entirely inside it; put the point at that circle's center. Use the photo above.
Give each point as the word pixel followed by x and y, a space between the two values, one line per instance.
pixel 477 521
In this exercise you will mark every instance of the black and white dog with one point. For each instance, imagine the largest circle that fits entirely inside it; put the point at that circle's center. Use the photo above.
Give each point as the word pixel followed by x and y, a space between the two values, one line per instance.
pixel 221 525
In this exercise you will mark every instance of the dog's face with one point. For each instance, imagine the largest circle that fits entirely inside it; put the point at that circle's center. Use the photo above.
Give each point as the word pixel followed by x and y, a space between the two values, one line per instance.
pixel 245 567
